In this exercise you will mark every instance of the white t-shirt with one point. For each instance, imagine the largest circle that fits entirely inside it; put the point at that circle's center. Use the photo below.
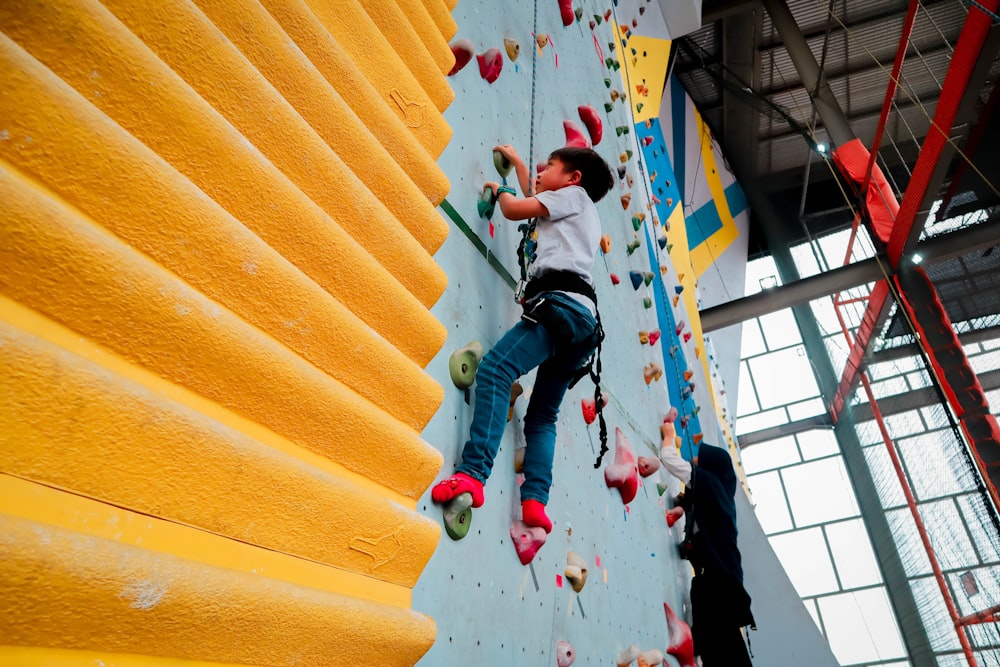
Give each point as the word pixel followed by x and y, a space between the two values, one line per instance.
pixel 568 237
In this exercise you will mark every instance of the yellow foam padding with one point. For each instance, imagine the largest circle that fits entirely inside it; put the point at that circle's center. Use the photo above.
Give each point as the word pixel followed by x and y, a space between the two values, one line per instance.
pixel 120 182
pixel 397 30
pixel 440 11
pixel 649 70
pixel 31 656
pixel 72 424
pixel 64 589
pixel 711 248
pixel 422 23
pixel 373 56
pixel 76 39
pixel 61 264
pixel 406 188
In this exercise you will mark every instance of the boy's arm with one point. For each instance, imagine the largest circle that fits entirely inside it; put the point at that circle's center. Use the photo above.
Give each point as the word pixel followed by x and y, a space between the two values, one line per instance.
pixel 520 168
pixel 515 208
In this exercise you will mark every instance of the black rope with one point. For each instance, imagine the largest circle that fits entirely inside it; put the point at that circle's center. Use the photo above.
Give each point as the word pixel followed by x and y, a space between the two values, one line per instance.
pixel 595 375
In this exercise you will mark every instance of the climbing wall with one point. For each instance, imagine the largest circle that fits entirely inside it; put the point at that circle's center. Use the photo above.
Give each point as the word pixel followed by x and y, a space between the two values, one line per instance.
pixel 489 608
pixel 216 233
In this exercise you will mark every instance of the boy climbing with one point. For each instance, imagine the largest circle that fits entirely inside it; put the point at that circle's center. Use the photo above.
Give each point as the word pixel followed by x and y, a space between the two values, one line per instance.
pixel 558 330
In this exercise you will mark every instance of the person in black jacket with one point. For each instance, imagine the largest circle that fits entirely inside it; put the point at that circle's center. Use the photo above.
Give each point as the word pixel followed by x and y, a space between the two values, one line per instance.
pixel 720 605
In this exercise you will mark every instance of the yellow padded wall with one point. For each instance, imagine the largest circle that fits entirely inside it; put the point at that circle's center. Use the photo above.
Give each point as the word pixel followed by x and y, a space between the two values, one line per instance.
pixel 216 234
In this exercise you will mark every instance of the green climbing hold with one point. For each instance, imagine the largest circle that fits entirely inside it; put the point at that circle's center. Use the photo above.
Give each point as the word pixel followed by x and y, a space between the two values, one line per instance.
pixel 607 83
pixel 647 302
pixel 661 488
pixel 502 164
pixel 633 246
pixel 458 516
pixel 598 19
pixel 636 222
pixel 609 107
pixel 638 107
pixel 464 363
pixel 486 204
pixel 620 130
pixel 670 246
pixel 629 154
pixel 647 277
pixel 695 411
pixel 578 12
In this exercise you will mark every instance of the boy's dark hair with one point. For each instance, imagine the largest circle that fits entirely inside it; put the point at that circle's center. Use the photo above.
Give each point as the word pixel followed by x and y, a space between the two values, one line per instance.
pixel 595 174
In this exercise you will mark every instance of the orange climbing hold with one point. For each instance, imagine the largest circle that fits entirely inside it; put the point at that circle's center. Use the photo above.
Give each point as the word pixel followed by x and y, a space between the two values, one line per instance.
pixel 626 199
pixel 606 243
pixel 574 135
pixel 512 47
pixel 593 123
pixel 651 658
pixel 623 474
pixel 542 41
pixel 698 437
pixel 463 50
pixel 490 64
pixel 652 372
pixel 688 375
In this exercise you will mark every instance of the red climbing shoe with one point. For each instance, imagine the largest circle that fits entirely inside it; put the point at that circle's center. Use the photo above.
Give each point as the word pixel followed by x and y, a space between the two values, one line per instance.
pixel 456 485
pixel 533 514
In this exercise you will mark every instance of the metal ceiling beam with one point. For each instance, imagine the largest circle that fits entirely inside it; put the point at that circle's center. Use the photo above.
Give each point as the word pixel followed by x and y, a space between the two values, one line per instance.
pixel 716 10
pixel 938 249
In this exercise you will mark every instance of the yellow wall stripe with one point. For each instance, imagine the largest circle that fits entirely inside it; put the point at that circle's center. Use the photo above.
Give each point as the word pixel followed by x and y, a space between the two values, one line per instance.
pixel 422 24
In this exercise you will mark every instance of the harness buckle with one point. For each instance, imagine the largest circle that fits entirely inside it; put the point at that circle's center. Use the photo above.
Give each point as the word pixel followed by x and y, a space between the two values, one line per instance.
pixel 519 292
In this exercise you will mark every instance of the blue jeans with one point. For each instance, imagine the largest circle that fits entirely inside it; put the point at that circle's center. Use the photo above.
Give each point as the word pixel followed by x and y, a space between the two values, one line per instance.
pixel 525 346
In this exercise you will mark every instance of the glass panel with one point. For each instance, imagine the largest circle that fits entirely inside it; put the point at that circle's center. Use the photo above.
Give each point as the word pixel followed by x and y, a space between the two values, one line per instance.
pixel 818 443
pixel 935 416
pixel 978 519
pixel 805 259
pixel 852 554
pixel 861 626
pixel 758 269
pixel 918 380
pixel 753 340
pixel 806 560
pixel 783 377
pixel 904 424
pixel 885 477
pixel 770 454
pixel 760 421
pixel 982 363
pixel 933 466
pixel 908 543
pixel 769 502
pixel 806 409
pixel 934 613
pixel 890 387
pixel 951 543
pixel 819 491
pixel 826 317
pixel 780 329
pixel 747 399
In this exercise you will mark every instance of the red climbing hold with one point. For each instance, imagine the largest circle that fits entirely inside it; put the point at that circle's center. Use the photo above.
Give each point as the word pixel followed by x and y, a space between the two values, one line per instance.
pixel 566 11
pixel 527 540
pixel 615 279
pixel 648 465
pixel 646 141
pixel 574 135
pixel 679 641
pixel 687 336
pixel 654 336
pixel 463 50
pixel 623 474
pixel 589 407
pixel 593 122
pixel 490 64
pixel 673 515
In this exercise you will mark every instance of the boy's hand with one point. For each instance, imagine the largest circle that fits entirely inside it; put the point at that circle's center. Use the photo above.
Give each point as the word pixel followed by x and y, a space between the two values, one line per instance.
pixel 508 152
pixel 492 186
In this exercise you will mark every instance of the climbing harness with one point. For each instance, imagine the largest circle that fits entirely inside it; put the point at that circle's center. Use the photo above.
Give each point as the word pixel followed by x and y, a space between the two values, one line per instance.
pixel 536 310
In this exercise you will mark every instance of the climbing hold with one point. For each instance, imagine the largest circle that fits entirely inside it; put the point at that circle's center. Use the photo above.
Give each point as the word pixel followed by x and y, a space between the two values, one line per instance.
pixel 621 129
pixel 566 11
pixel 626 199
pixel 636 278
pixel 663 269
pixel 502 164
pixel 673 515
pixel 647 141
pixel 670 416
pixel 688 375
pixel 527 540
pixel 626 156
pixel 638 107
pixel 574 135
pixel 670 201
pixel 606 243
pixel 458 516
pixel 648 465
pixel 541 40
pixel 694 413
pixel 635 23
pixel 589 407
pixel 578 13
pixel 643 337
pixel 679 328
pixel 565 653
pixel 654 336
pixel 519 460
pixel 647 303
pixel 697 353
pixel 598 19
pixel 650 658
pixel 685 392
pixel 676 300
pixel 647 277
pixel 623 474
pixel 636 222
pixel 678 288
pixel 679 641
pixel 607 15
pixel 680 276
pixel 652 177
pixel 515 392
pixel 662 242
pixel 698 437
pixel 633 246
pixel 630 180
pixel 641 215
pixel 652 372
pixel 593 24
pixel 486 204
pixel 614 95
pixel 490 64
pixel 642 10
pixel 464 363
pixel 673 351
pixel 684 422
pixel 622 170
pixel 607 82
pixel 628 656
pixel 687 336
pixel 576 571
pixel 512 47
pixel 609 107
pixel 463 50
pixel 614 279
pixel 592 122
